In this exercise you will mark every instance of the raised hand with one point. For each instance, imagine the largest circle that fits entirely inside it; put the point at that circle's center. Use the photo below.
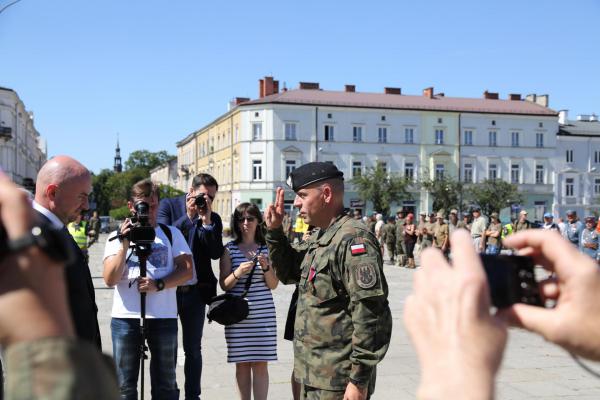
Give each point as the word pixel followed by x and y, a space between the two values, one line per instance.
pixel 274 212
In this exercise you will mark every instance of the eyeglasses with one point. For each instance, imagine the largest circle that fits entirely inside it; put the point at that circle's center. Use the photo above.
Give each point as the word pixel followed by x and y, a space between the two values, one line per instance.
pixel 247 219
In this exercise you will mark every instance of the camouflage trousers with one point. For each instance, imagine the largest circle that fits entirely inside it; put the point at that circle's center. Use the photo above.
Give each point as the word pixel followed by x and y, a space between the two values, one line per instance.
pixel 311 393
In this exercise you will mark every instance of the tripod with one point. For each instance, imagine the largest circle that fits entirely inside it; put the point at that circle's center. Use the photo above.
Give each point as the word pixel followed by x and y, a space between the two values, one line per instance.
pixel 143 251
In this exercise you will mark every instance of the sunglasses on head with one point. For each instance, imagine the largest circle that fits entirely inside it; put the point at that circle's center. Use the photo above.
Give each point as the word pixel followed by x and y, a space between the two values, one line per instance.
pixel 247 219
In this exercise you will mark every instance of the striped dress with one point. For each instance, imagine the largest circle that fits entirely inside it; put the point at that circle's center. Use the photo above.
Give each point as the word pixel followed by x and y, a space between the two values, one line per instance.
pixel 255 338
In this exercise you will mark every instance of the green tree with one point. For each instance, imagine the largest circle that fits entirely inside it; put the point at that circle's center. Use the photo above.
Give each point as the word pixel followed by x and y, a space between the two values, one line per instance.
pixel 167 191
pixel 101 193
pixel 146 159
pixel 446 192
pixel 381 188
pixel 492 195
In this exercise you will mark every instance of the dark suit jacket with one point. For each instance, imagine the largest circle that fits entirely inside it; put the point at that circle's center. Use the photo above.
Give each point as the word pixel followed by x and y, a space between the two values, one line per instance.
pixel 170 210
pixel 80 294
pixel 206 244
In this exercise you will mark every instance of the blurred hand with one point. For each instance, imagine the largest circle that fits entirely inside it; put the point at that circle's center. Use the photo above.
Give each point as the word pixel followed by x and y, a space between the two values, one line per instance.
pixel 264 262
pixel 33 300
pixel 458 342
pixel 146 285
pixel 575 321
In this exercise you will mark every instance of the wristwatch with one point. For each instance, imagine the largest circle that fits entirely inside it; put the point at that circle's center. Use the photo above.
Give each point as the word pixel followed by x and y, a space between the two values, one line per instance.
pixel 160 284
pixel 49 239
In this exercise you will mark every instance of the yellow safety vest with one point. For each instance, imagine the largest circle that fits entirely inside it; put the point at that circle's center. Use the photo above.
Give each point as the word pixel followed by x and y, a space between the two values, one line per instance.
pixel 78 233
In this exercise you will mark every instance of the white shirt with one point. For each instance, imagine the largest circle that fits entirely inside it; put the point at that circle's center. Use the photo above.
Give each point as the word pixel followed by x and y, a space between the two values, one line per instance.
pixel 126 299
pixel 56 222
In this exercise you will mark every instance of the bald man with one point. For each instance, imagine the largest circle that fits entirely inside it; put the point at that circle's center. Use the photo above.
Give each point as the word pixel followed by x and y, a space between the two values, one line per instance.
pixel 61 194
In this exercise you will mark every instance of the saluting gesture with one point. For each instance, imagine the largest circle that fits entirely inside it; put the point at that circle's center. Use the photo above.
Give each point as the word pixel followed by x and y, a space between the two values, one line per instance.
pixel 274 212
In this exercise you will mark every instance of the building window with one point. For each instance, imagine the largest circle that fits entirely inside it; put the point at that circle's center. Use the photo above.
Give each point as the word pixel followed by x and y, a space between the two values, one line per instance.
pixel 357 133
pixel 597 187
pixel 596 157
pixel 382 165
pixel 493 172
pixel 569 156
pixel 257 170
pixel 468 138
pixel 328 133
pixel 382 135
pixel 356 169
pixel 439 136
pixel 515 172
pixel 439 171
pixel 569 187
pixel 514 139
pixel 290 131
pixel 539 174
pixel 492 136
pixel 409 171
pixel 235 135
pixel 539 140
pixel 257 131
pixel 409 135
pixel 468 173
pixel 290 166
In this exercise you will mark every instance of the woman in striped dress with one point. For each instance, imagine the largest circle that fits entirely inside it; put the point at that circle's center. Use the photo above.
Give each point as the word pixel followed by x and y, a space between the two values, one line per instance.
pixel 251 343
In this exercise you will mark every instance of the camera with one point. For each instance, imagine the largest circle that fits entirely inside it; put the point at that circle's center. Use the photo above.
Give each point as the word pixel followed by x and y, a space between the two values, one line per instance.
pixel 141 232
pixel 511 280
pixel 200 201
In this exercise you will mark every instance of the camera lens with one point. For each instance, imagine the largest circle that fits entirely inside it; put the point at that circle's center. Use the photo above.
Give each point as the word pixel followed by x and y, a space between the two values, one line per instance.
pixel 200 201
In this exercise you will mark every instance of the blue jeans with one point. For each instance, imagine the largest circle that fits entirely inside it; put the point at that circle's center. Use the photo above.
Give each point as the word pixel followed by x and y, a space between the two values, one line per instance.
pixel 191 311
pixel 492 249
pixel 161 337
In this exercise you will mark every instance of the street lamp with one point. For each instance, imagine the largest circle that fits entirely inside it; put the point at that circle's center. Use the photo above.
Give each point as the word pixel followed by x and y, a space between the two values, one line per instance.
pixel 8 5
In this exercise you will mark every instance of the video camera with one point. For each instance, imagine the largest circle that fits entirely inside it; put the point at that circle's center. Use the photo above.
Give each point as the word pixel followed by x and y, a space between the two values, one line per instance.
pixel 141 232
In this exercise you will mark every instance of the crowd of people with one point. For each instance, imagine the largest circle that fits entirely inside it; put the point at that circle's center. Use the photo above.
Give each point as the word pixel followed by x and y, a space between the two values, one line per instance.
pixel 403 239
pixel 339 320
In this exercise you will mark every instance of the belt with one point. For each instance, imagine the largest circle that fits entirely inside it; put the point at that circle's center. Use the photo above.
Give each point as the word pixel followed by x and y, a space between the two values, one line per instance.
pixel 185 289
pixel 475 236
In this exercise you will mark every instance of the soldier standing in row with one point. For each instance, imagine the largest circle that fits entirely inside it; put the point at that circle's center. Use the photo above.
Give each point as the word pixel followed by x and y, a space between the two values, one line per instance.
pixel 478 230
pixel 389 237
pixel 400 246
pixel 441 235
pixel 343 321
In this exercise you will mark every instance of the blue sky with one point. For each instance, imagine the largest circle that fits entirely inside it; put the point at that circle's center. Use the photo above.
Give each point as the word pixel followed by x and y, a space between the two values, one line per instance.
pixel 154 71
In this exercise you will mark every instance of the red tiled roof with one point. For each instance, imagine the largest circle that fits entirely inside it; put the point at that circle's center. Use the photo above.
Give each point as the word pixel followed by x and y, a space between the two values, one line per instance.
pixel 403 102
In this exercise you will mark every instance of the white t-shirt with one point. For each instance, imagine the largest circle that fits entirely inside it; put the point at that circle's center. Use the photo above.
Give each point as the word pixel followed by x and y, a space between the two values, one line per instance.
pixel 126 299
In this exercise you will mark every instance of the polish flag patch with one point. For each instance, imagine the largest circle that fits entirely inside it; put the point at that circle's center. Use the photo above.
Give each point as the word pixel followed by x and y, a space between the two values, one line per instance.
pixel 358 249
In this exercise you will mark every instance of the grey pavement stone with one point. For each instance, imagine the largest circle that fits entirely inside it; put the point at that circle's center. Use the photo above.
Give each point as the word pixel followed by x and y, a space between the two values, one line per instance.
pixel 532 368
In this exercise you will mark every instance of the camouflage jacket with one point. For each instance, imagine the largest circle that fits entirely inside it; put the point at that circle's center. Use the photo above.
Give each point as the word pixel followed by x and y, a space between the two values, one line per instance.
pixel 59 368
pixel 343 323
pixel 389 234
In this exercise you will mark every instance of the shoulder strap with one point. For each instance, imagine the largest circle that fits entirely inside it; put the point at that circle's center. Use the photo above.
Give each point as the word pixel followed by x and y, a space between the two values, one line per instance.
pixel 249 279
pixel 167 232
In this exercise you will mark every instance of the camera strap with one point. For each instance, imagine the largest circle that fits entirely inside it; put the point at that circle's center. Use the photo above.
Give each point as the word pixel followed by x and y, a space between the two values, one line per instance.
pixel 167 232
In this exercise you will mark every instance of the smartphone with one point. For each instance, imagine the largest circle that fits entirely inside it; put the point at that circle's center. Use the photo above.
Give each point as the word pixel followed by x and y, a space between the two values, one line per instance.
pixel 511 280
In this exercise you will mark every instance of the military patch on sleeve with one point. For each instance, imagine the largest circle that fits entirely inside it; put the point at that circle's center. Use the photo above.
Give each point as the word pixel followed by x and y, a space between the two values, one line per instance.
pixel 366 276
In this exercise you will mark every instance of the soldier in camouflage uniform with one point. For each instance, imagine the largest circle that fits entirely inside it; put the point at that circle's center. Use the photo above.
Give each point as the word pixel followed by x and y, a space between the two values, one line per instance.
pixel 389 237
pixel 400 246
pixel 343 321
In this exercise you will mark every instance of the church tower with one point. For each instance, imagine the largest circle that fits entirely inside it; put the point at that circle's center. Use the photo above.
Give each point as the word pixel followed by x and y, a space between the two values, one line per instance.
pixel 118 167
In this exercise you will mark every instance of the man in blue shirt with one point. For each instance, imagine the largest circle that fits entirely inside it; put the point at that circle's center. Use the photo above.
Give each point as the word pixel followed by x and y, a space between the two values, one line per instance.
pixel 203 230
pixel 573 228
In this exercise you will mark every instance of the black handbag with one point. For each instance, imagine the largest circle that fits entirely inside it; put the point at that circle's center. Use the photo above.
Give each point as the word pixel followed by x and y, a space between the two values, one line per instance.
pixel 228 309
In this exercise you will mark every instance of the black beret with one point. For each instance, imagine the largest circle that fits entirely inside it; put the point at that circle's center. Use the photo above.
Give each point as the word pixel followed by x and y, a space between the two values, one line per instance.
pixel 313 172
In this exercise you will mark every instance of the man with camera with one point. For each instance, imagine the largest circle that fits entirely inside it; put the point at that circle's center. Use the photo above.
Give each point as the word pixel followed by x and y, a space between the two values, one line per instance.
pixel 61 194
pixel 168 265
pixel 192 214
